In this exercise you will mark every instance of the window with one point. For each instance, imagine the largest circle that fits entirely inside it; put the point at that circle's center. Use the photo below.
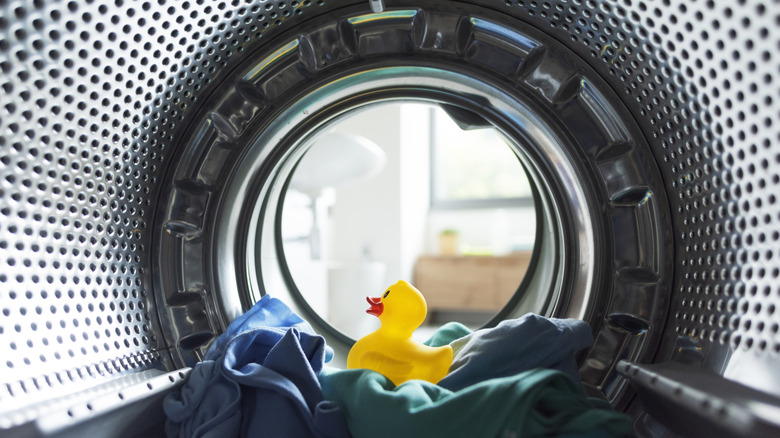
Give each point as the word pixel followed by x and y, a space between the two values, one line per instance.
pixel 474 168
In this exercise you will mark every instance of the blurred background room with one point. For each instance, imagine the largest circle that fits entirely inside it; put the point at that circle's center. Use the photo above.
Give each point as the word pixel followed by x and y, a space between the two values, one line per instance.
pixel 415 194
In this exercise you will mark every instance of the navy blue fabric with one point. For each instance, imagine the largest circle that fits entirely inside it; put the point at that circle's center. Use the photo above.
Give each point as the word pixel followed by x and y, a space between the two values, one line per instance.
pixel 208 406
pixel 267 312
pixel 514 346
pixel 281 396
pixel 258 380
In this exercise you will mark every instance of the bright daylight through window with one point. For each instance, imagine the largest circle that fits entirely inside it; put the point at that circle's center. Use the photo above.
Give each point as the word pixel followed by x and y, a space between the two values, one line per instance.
pixel 474 168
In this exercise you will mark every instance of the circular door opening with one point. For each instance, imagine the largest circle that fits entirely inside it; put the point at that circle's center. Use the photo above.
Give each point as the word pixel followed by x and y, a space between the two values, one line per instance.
pixel 416 191
pixel 601 220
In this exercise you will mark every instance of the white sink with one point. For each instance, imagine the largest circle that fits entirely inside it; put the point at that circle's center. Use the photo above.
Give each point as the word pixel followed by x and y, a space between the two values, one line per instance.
pixel 336 158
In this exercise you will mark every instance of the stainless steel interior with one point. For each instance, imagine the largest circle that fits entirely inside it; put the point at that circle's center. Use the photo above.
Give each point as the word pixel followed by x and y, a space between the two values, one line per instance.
pixel 123 124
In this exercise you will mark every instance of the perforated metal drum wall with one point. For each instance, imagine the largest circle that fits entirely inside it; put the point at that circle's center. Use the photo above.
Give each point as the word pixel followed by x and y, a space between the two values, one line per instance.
pixel 96 93
pixel 93 92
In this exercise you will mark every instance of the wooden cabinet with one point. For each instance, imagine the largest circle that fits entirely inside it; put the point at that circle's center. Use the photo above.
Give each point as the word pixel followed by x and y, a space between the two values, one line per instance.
pixel 469 282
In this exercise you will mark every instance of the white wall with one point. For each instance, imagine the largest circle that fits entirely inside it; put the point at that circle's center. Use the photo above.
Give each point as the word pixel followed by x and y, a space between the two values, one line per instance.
pixel 367 214
pixel 387 214
pixel 415 184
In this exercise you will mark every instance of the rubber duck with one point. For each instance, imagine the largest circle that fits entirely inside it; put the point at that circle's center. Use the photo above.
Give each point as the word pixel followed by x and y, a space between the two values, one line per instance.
pixel 390 350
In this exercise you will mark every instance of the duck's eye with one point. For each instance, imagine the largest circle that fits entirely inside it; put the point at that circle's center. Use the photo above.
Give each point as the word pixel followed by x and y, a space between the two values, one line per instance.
pixel 386 294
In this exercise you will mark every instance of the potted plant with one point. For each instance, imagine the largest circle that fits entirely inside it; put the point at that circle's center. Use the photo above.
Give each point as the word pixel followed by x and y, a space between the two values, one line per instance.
pixel 448 242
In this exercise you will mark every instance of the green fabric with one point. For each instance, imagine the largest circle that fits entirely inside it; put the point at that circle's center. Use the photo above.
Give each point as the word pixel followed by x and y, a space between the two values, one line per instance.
pixel 533 403
pixel 447 333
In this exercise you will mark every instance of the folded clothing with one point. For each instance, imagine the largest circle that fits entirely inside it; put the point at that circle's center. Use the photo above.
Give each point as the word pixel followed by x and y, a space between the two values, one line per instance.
pixel 538 402
pixel 513 346
pixel 262 381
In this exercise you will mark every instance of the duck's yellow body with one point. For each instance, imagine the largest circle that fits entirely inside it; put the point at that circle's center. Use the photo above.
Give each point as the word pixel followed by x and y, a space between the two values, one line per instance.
pixel 391 350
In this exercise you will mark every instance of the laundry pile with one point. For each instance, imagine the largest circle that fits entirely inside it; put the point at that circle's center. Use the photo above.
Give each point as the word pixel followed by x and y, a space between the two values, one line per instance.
pixel 265 377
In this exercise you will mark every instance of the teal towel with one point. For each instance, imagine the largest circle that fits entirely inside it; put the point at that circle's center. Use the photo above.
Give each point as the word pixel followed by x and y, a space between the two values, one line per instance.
pixel 539 402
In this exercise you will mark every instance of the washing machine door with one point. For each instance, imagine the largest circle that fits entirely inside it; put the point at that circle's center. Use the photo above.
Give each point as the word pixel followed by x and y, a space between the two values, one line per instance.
pixel 146 149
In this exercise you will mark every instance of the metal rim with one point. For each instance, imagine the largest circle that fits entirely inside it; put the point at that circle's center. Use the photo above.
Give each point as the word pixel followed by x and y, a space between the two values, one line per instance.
pixel 430 86
pixel 604 196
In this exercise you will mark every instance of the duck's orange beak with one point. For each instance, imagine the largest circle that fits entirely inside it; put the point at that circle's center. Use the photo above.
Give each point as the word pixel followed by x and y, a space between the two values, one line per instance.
pixel 376 306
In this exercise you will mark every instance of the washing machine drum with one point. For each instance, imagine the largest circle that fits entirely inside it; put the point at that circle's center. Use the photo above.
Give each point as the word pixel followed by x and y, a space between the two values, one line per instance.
pixel 146 147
